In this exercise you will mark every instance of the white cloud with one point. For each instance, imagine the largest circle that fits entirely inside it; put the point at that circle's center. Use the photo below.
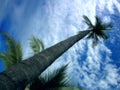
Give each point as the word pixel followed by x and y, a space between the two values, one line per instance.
pixel 103 84
pixel 117 4
pixel 109 5
pixel 112 75
pixel 97 72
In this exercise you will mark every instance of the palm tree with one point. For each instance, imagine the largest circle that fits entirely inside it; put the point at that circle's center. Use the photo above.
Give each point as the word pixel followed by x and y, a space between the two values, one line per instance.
pixel 13 54
pixel 18 76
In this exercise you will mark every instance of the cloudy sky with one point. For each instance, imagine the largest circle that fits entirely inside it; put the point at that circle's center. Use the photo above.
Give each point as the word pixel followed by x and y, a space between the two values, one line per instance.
pixel 56 20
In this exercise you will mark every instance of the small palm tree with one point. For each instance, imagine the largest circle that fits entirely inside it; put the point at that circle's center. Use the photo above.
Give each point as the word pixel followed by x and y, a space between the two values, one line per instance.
pixel 13 54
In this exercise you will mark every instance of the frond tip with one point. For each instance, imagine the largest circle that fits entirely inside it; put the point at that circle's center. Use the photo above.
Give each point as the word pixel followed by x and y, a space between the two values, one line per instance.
pixel 87 21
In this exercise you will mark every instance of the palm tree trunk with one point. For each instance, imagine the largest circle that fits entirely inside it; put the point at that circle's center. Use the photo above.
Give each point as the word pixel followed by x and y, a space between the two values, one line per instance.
pixel 19 75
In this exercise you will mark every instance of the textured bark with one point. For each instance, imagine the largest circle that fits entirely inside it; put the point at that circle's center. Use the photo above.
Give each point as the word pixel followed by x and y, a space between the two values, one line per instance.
pixel 19 75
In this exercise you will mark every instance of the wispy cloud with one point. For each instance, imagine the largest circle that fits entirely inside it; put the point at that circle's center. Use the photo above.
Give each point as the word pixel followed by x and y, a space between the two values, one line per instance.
pixel 109 5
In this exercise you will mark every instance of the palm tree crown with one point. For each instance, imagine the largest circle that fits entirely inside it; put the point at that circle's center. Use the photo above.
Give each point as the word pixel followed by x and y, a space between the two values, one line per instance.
pixel 98 30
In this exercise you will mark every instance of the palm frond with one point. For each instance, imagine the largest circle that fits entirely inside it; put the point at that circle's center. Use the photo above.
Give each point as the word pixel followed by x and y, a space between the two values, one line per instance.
pixel 52 80
pixel 6 58
pixel 41 45
pixel 59 78
pixel 91 35
pixel 36 45
pixel 95 40
pixel 19 53
pixel 87 21
pixel 13 54
pixel 98 21
pixel 103 35
pixel 11 43
pixel 107 26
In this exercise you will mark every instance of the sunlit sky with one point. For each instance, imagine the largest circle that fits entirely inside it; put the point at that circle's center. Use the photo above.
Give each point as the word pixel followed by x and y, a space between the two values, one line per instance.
pixel 55 20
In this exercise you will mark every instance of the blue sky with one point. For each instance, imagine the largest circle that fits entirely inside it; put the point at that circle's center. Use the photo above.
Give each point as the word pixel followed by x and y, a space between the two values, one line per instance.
pixel 53 21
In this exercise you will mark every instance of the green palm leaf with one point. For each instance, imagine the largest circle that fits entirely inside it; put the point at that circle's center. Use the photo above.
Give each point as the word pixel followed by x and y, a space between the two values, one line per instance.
pixel 13 54
pixel 6 58
pixel 36 45
pixel 52 80
pixel 87 21
pixel 19 53
pixel 58 77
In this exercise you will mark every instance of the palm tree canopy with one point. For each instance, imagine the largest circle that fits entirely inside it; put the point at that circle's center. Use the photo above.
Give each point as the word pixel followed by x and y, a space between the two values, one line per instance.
pixel 98 30
pixel 13 54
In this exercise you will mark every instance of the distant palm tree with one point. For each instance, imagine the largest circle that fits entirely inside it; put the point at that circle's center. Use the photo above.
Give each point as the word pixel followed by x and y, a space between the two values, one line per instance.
pixel 31 69
pixel 13 54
